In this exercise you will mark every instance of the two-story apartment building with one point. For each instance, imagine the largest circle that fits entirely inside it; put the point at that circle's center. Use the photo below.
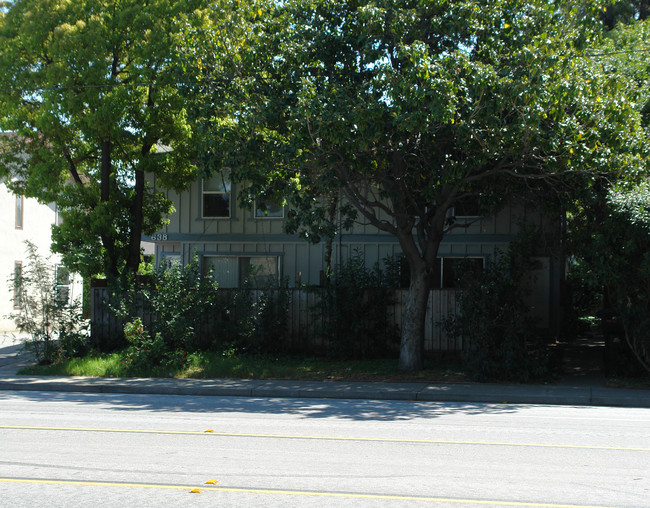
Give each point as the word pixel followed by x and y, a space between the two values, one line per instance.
pixel 229 240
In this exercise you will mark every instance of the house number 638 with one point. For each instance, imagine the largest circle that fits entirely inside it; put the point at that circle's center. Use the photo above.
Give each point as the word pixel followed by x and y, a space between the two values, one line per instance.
pixel 159 236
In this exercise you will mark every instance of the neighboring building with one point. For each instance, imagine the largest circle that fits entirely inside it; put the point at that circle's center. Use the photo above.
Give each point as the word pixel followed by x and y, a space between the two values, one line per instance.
pixel 25 219
pixel 230 240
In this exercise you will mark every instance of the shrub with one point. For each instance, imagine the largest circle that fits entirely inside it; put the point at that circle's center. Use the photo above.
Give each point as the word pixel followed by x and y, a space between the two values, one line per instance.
pixel 260 317
pixel 186 312
pixel 354 310
pixel 55 325
pixel 183 304
pixel 499 339
pixel 617 252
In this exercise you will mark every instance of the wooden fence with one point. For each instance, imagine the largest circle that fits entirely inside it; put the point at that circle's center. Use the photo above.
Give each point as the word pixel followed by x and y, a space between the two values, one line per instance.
pixel 302 319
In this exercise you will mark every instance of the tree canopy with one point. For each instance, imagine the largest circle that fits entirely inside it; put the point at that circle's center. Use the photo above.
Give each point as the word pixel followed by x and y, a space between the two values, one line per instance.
pixel 624 11
pixel 89 95
pixel 407 108
pixel 610 224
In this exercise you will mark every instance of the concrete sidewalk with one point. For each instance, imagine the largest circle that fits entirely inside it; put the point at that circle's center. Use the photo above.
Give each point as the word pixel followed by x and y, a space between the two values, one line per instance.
pixel 12 354
pixel 11 360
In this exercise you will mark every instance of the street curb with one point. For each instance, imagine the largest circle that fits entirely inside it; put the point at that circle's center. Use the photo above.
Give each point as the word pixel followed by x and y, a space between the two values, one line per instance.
pixel 475 393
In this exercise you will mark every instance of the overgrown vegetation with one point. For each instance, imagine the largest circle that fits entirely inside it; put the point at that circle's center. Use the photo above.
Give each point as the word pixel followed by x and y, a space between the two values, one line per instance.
pixel 181 311
pixel 499 337
pixel 54 323
pixel 354 310
pixel 612 240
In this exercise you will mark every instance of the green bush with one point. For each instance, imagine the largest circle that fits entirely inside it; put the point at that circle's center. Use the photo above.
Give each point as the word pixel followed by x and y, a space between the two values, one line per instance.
pixel 184 311
pixel 55 325
pixel 146 352
pixel 354 310
pixel 184 304
pixel 143 350
pixel 612 240
pixel 261 317
pixel 498 335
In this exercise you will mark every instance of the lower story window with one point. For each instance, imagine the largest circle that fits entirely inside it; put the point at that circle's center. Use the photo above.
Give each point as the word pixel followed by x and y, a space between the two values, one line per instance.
pixel 168 260
pixel 62 284
pixel 447 272
pixel 18 284
pixel 455 269
pixel 237 271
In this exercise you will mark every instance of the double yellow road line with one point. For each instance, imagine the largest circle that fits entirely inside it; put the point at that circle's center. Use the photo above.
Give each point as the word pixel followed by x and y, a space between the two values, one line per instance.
pixel 325 438
pixel 299 493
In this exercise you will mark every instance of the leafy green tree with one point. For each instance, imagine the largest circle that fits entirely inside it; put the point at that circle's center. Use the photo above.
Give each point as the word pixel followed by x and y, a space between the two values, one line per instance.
pixel 407 108
pixel 610 222
pixel 624 54
pixel 89 95
pixel 624 11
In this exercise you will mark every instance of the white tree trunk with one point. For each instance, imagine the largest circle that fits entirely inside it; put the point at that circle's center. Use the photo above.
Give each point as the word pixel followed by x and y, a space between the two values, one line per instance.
pixel 411 357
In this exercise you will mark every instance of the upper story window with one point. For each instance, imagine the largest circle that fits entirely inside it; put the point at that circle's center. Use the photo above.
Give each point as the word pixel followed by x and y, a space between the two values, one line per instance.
pixel 215 197
pixel 58 219
pixel 20 205
pixel 466 208
pixel 268 209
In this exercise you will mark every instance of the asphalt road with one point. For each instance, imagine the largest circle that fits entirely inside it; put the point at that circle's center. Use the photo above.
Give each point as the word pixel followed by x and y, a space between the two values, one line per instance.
pixel 76 449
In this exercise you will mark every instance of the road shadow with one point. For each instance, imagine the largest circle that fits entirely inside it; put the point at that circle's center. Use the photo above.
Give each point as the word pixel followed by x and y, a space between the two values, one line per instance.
pixel 348 409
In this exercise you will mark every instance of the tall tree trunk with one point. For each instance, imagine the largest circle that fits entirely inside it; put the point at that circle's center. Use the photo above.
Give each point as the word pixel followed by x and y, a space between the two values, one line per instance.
pixel 411 357
pixel 331 216
pixel 111 261
pixel 133 260
pixel 421 258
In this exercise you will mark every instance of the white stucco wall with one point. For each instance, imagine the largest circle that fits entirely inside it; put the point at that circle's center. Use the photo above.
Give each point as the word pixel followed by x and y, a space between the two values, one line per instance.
pixel 37 228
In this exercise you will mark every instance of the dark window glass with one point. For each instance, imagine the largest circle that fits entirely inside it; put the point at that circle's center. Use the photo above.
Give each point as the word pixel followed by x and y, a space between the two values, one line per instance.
pixel 215 197
pixel 269 209
pixel 455 269
pixel 467 207
pixel 216 205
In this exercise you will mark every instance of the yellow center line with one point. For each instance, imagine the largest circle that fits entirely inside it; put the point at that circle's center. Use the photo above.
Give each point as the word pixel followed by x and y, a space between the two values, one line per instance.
pixel 324 438
pixel 348 495
pixel 102 484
